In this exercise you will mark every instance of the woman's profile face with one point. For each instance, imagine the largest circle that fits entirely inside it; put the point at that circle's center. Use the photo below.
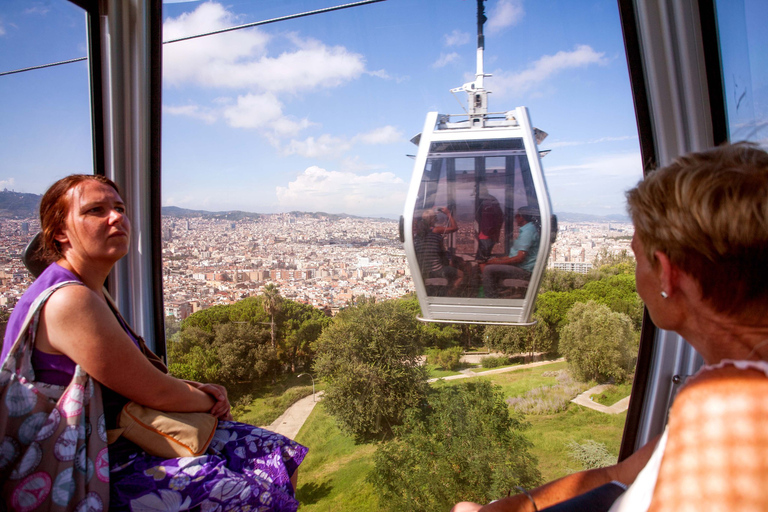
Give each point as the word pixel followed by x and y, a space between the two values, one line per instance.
pixel 96 227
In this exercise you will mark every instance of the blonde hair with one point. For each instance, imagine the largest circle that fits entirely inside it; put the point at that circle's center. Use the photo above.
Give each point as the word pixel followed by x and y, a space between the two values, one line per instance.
pixel 708 212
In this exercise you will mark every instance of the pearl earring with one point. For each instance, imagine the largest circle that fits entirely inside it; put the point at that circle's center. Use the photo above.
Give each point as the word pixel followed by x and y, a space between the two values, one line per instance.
pixel 664 294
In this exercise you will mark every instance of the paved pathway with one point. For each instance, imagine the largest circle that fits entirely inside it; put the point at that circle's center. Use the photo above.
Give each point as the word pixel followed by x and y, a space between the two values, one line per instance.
pixel 469 372
pixel 583 399
pixel 294 417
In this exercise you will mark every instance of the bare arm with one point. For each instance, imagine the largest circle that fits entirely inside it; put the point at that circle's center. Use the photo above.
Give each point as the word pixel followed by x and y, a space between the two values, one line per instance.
pixel 569 486
pixel 450 228
pixel 76 322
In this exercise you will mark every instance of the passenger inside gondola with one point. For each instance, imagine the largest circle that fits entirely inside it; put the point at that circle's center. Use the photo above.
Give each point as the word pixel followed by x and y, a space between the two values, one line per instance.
pixel 434 261
pixel 514 270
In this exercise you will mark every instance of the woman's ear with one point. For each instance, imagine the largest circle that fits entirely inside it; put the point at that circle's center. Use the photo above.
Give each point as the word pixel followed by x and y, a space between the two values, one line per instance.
pixel 667 273
pixel 61 236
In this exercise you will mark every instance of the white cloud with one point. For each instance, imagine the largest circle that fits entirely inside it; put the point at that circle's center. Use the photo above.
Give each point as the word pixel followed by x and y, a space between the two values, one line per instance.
pixel 445 59
pixel 7 183
pixel 384 75
pixel 618 165
pixel 263 112
pixel 505 13
pixel 324 146
pixel 456 38
pixel 38 9
pixel 2 28
pixel 565 143
pixel 328 146
pixel 384 135
pixel 240 59
pixel 596 183
pixel 543 69
pixel 193 111
pixel 318 189
pixel 355 164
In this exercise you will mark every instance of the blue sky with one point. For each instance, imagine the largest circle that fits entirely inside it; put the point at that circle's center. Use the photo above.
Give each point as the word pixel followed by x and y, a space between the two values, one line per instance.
pixel 315 114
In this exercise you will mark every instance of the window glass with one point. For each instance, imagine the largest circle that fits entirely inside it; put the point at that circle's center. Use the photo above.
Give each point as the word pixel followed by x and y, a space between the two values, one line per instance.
pixel 285 149
pixel 743 43
pixel 45 120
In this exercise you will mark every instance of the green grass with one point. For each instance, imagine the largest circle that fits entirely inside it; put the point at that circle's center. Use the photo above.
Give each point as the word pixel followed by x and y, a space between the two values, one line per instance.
pixel 437 372
pixel 263 411
pixel 517 382
pixel 333 477
pixel 550 435
pixel 272 400
pixel 481 369
pixel 613 394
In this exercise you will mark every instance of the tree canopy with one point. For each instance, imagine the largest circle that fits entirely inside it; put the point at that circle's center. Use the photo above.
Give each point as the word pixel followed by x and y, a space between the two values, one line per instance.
pixel 461 445
pixel 369 358
pixel 599 344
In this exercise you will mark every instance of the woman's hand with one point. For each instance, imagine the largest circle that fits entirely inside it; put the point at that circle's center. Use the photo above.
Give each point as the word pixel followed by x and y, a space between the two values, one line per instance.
pixel 221 409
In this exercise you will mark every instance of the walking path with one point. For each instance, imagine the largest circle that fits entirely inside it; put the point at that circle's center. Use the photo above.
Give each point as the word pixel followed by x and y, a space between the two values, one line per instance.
pixel 294 417
pixel 585 400
pixel 469 372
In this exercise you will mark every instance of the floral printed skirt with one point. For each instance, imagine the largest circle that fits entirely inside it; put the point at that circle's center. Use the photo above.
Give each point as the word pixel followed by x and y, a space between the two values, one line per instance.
pixel 246 468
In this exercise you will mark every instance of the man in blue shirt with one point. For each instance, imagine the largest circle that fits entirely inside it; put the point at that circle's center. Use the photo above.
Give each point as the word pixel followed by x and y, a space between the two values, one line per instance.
pixel 522 255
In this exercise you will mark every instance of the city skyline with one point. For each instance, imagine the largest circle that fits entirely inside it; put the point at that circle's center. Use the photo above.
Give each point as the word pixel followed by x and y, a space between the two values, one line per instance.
pixel 316 114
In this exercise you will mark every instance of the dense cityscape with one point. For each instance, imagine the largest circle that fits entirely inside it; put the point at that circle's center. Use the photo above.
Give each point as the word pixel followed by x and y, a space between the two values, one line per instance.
pixel 322 260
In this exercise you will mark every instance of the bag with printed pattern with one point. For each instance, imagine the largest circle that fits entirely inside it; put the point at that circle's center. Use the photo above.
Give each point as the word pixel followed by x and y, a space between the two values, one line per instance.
pixel 53 449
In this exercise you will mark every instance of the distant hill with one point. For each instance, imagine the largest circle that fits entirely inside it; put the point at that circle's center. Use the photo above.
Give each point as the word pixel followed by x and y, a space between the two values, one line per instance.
pixel 175 211
pixel 18 205
pixel 586 217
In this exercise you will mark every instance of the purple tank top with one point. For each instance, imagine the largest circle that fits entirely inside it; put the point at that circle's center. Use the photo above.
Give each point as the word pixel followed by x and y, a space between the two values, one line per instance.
pixel 55 369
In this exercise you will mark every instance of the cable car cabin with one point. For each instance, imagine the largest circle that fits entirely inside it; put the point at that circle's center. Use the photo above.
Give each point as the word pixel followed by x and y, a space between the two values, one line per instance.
pixel 478 199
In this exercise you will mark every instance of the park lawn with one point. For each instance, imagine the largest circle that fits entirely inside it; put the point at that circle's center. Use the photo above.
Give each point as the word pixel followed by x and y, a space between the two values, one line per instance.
pixel 517 382
pixel 613 394
pixel 481 369
pixel 334 474
pixel 551 433
pixel 437 372
pixel 335 471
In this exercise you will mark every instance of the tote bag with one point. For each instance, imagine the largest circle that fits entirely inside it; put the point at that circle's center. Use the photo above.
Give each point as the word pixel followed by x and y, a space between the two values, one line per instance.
pixel 53 450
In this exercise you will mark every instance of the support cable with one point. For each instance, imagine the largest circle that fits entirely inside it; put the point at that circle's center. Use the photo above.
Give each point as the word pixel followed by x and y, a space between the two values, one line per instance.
pixel 230 29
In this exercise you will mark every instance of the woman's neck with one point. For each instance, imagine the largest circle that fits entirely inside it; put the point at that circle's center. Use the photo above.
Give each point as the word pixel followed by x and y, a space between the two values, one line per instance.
pixel 717 337
pixel 92 276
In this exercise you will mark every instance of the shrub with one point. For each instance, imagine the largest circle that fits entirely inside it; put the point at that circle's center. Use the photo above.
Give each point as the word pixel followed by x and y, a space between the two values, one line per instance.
pixel 494 361
pixel 548 399
pixel 591 454
pixel 598 343
pixel 449 359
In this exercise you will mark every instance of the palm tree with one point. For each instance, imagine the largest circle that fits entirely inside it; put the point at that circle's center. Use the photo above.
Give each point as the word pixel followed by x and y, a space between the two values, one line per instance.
pixel 272 306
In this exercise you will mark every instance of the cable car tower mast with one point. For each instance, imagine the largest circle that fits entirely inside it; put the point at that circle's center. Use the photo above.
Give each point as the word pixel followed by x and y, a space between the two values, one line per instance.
pixel 477 94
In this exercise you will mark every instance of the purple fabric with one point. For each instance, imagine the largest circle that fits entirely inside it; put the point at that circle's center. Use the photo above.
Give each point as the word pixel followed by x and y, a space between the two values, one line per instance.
pixel 50 276
pixel 245 468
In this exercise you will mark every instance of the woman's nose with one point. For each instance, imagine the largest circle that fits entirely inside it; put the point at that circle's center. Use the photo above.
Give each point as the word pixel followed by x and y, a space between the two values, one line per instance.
pixel 116 216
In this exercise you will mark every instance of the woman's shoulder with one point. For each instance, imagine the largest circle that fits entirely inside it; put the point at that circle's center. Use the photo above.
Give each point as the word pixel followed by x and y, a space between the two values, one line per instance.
pixel 715 432
pixel 723 392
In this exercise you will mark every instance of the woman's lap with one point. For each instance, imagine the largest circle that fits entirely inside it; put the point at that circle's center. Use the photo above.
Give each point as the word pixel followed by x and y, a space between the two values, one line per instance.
pixel 245 468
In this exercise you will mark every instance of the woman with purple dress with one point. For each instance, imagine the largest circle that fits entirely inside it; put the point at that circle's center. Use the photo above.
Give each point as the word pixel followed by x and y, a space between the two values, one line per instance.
pixel 85 231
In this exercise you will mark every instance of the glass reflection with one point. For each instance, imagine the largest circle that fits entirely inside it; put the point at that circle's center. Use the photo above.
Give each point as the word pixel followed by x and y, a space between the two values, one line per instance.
pixel 477 226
